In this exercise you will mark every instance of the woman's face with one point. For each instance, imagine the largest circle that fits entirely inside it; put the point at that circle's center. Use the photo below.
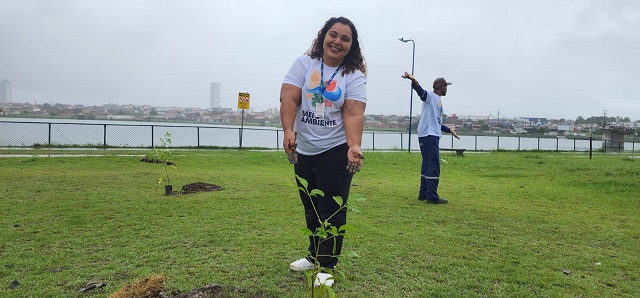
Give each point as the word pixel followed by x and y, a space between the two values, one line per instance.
pixel 337 44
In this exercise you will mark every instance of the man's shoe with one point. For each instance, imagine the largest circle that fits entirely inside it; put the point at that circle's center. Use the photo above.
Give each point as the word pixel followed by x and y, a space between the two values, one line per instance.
pixel 422 198
pixel 301 265
pixel 437 201
pixel 323 279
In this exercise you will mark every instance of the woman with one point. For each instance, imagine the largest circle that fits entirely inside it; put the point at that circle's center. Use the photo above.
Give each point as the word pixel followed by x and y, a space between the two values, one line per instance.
pixel 322 103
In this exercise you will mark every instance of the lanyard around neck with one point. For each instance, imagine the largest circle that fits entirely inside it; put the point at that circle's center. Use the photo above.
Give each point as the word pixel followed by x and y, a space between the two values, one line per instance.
pixel 322 85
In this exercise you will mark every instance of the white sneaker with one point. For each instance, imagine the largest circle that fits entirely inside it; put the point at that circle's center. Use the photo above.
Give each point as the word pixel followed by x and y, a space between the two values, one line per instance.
pixel 323 278
pixel 301 265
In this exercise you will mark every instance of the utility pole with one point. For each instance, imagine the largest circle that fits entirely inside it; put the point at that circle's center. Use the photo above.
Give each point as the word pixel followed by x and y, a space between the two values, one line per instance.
pixel 413 59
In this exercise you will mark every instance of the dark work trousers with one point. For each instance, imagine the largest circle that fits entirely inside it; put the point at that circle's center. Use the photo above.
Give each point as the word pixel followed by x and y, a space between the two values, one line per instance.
pixel 326 172
pixel 430 172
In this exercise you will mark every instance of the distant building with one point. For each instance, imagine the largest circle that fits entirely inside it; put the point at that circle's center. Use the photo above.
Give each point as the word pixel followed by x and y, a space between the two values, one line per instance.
pixel 5 91
pixel 613 138
pixel 533 122
pixel 215 95
pixel 567 128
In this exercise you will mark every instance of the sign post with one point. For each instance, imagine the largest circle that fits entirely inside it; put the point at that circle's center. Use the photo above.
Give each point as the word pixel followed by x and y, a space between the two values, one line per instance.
pixel 244 99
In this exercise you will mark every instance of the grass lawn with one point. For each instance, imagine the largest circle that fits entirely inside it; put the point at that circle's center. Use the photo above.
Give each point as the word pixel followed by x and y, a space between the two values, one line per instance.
pixel 518 224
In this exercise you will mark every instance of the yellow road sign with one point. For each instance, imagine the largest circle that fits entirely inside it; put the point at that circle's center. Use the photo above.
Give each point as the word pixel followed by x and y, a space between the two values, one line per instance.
pixel 243 100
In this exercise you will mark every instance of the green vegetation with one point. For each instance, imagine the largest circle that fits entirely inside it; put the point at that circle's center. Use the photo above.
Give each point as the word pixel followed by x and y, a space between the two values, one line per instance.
pixel 519 224
pixel 326 232
pixel 163 155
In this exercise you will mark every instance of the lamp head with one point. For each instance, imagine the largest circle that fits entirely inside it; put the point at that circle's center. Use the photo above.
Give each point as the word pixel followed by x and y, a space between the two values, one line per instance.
pixel 402 39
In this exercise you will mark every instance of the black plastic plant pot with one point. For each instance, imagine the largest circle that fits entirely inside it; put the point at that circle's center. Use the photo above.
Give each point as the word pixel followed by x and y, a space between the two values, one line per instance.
pixel 168 189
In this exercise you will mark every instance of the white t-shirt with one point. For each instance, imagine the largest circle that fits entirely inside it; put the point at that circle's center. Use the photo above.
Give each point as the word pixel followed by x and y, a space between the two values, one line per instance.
pixel 431 119
pixel 319 134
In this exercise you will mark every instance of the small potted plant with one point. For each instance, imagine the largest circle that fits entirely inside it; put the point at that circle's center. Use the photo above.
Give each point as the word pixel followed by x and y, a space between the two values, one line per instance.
pixel 163 155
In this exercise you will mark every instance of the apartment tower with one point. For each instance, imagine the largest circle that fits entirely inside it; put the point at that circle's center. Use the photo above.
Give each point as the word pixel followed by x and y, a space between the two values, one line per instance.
pixel 215 95
pixel 5 91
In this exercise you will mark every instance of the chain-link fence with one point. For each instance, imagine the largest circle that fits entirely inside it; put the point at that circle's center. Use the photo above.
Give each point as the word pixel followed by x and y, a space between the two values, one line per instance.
pixel 62 134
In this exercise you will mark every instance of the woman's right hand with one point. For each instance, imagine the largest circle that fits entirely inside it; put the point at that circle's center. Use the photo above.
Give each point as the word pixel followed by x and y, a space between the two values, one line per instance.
pixel 289 142
pixel 289 145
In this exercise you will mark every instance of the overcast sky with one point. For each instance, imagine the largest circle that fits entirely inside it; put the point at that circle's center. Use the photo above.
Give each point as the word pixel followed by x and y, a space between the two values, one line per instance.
pixel 531 58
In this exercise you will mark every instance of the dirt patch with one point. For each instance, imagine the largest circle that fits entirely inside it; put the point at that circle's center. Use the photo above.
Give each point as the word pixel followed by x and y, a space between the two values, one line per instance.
pixel 153 160
pixel 200 186
pixel 153 287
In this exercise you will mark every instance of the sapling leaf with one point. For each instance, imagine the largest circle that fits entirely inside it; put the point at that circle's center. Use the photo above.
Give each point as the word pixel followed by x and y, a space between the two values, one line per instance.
pixel 341 274
pixel 306 231
pixel 309 275
pixel 320 233
pixel 317 192
pixel 345 227
pixel 302 181
pixel 354 209
pixel 350 254
pixel 345 262
pixel 330 292
pixel 357 197
pixel 338 200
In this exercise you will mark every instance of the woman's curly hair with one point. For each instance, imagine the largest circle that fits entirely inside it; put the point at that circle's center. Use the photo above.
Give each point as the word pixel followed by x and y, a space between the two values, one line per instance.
pixel 354 59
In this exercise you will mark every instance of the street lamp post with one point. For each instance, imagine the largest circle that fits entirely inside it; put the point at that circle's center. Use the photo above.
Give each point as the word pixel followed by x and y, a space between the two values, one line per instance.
pixel 413 58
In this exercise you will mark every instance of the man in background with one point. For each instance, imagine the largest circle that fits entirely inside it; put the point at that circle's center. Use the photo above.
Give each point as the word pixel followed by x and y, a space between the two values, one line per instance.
pixel 429 132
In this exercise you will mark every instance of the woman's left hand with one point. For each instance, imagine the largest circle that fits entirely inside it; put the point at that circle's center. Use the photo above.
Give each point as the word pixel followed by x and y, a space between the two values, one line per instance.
pixel 355 157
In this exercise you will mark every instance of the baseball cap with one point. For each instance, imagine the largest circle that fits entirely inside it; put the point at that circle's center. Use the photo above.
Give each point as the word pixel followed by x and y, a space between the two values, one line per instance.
pixel 439 82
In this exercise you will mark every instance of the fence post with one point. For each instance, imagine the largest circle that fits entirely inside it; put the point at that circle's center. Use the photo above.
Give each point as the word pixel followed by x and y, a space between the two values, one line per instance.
pixel 104 136
pixel 401 143
pixel 498 146
pixel 373 137
pixel 476 143
pixel 278 140
pixel 538 143
pixel 198 134
pixel 518 143
pixel 49 135
pixel 152 145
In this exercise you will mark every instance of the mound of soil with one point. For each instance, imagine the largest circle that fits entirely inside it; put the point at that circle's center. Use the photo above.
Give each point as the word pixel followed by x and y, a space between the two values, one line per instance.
pixel 200 186
pixel 153 287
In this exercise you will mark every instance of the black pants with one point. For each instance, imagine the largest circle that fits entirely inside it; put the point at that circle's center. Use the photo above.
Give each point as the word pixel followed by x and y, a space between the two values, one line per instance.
pixel 326 172
pixel 430 170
